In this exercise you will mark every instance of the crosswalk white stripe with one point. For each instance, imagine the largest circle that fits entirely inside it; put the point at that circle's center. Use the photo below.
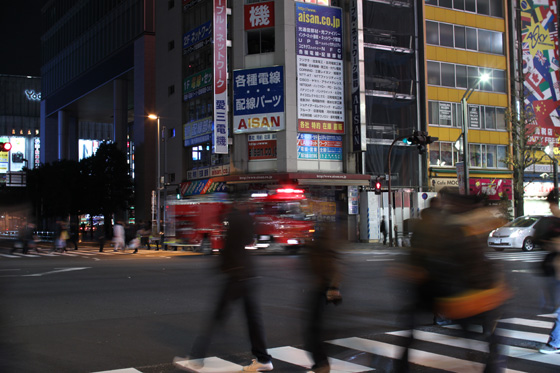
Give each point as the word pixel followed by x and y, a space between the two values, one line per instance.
pixel 27 255
pixel 529 322
pixel 550 315
pixel 473 344
pixel 126 370
pixel 10 256
pixel 302 358
pixel 514 334
pixel 418 357
pixel 214 365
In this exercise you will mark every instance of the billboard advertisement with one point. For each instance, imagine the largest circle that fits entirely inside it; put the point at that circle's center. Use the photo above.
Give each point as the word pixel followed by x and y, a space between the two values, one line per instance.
pixel 220 133
pixel 541 69
pixel 258 96
pixel 197 84
pixel 320 69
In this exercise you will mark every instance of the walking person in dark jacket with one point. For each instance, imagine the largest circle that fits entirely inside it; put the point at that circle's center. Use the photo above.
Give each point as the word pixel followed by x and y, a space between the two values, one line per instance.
pixel 324 264
pixel 240 284
pixel 383 229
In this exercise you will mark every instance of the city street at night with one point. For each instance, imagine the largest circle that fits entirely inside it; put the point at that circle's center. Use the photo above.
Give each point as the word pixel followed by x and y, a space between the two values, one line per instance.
pixel 86 311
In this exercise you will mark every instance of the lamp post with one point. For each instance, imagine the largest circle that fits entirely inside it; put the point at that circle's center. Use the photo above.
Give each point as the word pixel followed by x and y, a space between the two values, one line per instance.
pixel 465 127
pixel 549 150
pixel 158 175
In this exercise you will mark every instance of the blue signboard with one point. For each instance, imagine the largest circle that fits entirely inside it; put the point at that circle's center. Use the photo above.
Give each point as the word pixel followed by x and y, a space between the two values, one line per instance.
pixel 258 96
pixel 197 37
pixel 197 132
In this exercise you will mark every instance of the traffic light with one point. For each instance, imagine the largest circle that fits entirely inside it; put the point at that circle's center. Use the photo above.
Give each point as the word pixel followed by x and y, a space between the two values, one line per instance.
pixel 5 146
pixel 377 187
pixel 420 139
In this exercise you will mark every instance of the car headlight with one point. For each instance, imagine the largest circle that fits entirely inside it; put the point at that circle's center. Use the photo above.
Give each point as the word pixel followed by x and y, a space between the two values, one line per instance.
pixel 492 233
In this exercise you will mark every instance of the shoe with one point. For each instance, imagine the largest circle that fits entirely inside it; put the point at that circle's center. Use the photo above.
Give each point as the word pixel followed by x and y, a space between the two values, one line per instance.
pixel 320 369
pixel 256 366
pixel 185 364
pixel 548 349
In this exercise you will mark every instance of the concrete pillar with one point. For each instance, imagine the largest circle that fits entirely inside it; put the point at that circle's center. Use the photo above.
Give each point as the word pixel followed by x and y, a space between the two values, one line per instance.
pixel 48 136
pixel 145 132
pixel 120 113
pixel 73 137
pixel 62 135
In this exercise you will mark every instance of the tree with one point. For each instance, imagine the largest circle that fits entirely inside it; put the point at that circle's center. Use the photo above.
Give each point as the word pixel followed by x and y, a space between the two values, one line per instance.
pixel 107 183
pixel 526 151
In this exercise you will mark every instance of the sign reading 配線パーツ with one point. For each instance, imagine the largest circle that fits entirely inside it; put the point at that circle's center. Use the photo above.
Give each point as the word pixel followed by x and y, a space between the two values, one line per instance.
pixel 258 100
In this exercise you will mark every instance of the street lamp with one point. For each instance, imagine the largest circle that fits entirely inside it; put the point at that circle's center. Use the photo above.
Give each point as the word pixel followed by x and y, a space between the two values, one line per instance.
pixel 484 77
pixel 549 150
pixel 158 175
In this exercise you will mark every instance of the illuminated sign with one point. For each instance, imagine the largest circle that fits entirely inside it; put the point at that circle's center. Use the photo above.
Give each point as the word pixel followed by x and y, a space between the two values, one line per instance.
pixel 32 95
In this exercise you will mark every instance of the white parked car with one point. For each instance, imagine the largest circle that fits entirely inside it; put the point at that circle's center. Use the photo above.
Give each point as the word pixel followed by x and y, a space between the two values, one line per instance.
pixel 517 234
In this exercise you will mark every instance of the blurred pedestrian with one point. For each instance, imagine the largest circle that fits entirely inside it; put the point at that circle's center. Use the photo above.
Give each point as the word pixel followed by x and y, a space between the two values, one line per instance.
pixel 144 232
pixel 240 284
pixel 26 239
pixel 118 236
pixel 100 236
pixel 383 229
pixel 131 238
pixel 454 276
pixel 73 235
pixel 61 236
pixel 548 236
pixel 324 263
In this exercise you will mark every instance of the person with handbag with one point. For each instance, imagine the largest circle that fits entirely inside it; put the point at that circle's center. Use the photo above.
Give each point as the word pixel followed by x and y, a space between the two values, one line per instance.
pixel 324 266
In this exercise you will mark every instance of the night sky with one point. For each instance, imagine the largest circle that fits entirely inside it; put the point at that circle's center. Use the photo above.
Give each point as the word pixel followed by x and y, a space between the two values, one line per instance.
pixel 20 37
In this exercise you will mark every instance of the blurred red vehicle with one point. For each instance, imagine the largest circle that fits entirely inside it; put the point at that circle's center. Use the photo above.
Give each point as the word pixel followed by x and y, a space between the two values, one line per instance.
pixel 196 224
pixel 280 219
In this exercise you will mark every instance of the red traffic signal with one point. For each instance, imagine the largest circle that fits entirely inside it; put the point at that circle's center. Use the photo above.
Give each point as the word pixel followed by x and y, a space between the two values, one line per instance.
pixel 377 187
pixel 5 146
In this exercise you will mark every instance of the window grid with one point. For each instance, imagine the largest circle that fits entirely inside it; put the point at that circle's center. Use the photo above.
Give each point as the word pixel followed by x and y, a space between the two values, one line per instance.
pixel 463 37
pixel 492 8
pixel 445 154
pixel 436 77
pixel 449 114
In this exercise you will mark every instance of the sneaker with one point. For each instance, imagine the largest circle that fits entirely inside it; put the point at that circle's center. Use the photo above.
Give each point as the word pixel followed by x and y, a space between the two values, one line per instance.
pixel 548 349
pixel 187 365
pixel 258 367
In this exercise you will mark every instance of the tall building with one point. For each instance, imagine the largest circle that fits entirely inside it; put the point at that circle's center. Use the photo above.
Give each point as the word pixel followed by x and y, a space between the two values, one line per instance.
pixel 98 83
pixel 463 41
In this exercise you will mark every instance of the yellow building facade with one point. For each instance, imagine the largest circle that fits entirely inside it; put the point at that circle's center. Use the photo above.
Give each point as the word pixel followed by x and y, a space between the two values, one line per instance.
pixel 462 43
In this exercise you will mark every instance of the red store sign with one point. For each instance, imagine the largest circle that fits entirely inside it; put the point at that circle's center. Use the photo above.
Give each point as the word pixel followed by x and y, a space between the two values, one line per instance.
pixel 259 15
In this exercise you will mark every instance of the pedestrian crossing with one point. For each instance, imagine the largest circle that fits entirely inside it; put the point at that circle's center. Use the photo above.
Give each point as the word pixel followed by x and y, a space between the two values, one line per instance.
pixel 435 349
pixel 517 256
pixel 45 253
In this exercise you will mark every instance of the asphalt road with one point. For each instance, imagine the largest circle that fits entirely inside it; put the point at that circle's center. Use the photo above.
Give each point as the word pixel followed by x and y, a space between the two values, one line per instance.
pixel 90 313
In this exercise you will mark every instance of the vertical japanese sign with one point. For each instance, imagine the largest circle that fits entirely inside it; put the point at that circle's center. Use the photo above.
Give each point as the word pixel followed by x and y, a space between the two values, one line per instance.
pixel 319 58
pixel 258 96
pixel 220 133
pixel 358 81
pixel 541 69
pixel 259 15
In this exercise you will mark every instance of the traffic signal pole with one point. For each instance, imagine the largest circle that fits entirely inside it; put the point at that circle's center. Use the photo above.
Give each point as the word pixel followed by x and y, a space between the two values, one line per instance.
pixel 390 197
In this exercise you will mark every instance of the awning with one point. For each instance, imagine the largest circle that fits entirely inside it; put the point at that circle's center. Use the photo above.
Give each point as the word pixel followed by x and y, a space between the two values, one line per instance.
pixel 299 178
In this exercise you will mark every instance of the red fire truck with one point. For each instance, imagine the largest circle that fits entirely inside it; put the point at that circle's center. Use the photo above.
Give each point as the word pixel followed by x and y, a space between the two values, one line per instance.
pixel 200 223
pixel 196 224
pixel 281 219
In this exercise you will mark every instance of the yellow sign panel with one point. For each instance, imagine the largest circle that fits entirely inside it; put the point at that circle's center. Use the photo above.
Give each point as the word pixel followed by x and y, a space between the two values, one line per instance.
pixel 538 38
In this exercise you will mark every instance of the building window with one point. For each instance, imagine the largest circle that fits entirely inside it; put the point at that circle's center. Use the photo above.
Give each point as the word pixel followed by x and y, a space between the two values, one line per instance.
pixel 492 8
pixel 260 41
pixel 170 45
pixel 450 114
pixel 170 4
pixel 170 90
pixel 443 74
